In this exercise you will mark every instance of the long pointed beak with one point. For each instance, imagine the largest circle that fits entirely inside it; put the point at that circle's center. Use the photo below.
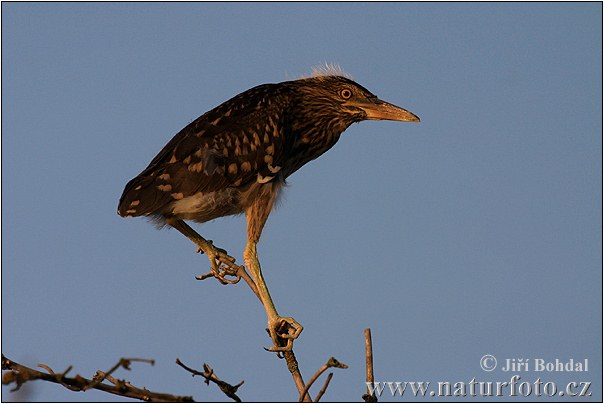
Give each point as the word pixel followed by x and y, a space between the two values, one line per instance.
pixel 378 109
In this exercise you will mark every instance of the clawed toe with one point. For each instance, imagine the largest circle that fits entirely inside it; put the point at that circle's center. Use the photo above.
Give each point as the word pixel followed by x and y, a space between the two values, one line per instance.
pixel 222 265
pixel 283 330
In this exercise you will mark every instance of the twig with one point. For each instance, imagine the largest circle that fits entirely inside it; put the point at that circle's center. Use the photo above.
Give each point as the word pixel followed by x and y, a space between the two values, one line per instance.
pixel 209 376
pixel 59 377
pixel 331 363
pixel 369 397
pixel 322 391
pixel 20 374
pixel 124 362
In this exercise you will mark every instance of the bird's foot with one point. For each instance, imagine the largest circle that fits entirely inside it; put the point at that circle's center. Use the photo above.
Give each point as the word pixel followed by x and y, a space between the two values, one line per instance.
pixel 283 332
pixel 222 265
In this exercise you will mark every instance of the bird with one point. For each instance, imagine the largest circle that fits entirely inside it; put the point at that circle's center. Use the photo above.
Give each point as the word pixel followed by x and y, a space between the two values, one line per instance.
pixel 235 159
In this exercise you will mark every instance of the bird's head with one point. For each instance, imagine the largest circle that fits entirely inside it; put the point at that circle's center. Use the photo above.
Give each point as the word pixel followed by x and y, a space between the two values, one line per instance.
pixel 322 106
pixel 339 97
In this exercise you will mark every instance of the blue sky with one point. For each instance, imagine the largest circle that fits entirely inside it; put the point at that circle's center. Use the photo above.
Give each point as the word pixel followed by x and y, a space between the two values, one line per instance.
pixel 477 231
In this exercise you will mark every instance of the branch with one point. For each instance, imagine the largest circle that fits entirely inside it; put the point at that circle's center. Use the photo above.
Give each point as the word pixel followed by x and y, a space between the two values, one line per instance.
pixel 100 376
pixel 292 366
pixel 369 397
pixel 331 363
pixel 322 391
pixel 210 376
pixel 20 374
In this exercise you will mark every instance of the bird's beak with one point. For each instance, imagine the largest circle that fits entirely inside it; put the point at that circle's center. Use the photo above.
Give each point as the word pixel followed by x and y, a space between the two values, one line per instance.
pixel 378 109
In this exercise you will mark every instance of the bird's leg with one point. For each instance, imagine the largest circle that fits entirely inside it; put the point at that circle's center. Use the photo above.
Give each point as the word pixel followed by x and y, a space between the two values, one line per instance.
pixel 222 264
pixel 283 330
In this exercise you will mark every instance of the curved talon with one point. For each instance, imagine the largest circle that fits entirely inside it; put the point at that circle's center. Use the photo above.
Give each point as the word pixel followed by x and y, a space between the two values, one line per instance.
pixel 221 265
pixel 291 324
pixel 279 349
pixel 276 328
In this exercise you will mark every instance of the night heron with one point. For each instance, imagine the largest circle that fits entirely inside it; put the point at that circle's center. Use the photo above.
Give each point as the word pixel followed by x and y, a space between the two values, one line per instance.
pixel 235 159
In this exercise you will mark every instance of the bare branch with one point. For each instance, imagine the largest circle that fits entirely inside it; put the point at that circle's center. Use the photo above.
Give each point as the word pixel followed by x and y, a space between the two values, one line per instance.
pixel 209 376
pixel 331 363
pixel 124 362
pixel 369 397
pixel 292 366
pixel 20 374
pixel 324 388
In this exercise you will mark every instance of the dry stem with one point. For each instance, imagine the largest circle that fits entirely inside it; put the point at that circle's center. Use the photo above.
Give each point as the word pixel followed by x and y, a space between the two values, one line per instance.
pixel 331 363
pixel 368 397
pixel 209 376
pixel 20 374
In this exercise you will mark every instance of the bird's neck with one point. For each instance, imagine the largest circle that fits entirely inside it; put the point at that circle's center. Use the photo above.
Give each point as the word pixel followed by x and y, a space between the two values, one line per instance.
pixel 314 126
pixel 311 141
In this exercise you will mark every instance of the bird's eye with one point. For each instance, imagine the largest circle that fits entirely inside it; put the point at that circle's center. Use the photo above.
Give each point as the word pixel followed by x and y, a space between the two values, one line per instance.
pixel 345 93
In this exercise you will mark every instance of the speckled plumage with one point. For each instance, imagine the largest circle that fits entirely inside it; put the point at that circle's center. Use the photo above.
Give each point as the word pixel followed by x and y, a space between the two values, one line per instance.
pixel 213 166
pixel 235 159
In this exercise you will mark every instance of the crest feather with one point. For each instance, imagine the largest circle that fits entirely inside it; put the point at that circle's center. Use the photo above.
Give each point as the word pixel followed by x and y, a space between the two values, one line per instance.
pixel 327 70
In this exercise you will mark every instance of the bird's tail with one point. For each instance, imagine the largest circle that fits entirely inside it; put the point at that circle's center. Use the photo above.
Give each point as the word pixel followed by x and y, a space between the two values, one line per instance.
pixel 140 197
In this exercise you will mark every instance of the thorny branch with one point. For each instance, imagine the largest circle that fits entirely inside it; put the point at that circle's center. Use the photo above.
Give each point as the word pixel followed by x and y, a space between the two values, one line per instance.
pixel 210 376
pixel 20 374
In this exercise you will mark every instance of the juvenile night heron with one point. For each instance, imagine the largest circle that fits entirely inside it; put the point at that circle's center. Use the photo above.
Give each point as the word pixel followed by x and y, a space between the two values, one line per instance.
pixel 235 159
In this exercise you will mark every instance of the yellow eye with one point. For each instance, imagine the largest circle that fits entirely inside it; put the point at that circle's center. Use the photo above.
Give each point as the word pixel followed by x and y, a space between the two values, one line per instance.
pixel 345 93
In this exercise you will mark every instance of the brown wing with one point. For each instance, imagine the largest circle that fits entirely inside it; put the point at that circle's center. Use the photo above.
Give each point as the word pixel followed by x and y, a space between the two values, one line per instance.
pixel 230 146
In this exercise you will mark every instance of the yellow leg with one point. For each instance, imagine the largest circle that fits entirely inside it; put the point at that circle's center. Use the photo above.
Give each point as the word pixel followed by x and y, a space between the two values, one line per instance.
pixel 222 264
pixel 283 330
